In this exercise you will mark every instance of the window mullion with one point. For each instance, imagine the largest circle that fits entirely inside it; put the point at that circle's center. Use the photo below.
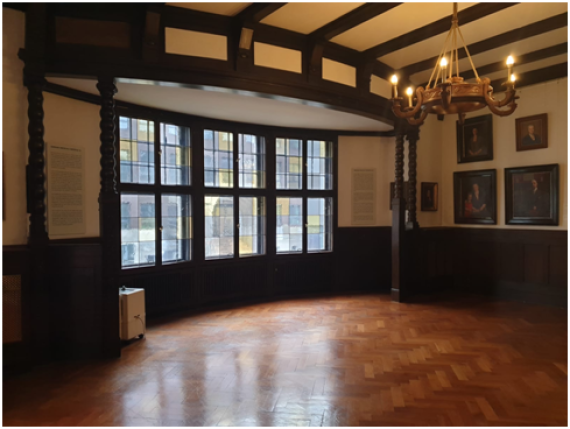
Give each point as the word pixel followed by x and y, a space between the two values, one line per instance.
pixel 304 188
pixel 158 194
pixel 236 193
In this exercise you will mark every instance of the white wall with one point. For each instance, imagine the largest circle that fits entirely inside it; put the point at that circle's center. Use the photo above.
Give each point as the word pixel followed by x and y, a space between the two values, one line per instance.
pixel 75 123
pixel 14 129
pixel 551 98
pixel 66 121
pixel 365 152
pixel 379 152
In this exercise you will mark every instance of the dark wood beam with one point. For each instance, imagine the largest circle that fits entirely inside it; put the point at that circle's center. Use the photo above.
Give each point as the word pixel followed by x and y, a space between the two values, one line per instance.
pixel 195 20
pixel 257 11
pixel 152 35
pixel 531 57
pixel 540 27
pixel 351 19
pixel 534 77
pixel 17 6
pixel 443 25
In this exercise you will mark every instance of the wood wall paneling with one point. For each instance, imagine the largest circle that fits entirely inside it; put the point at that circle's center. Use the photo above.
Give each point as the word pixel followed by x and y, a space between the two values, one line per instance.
pixel 524 265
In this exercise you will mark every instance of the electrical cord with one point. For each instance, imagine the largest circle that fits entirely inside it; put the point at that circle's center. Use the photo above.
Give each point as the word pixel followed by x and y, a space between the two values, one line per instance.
pixel 142 322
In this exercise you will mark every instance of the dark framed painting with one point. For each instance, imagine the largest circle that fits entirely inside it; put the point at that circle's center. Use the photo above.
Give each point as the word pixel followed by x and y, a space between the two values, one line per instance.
pixel 475 197
pixel 475 139
pixel 429 197
pixel 531 195
pixel 532 132
pixel 404 194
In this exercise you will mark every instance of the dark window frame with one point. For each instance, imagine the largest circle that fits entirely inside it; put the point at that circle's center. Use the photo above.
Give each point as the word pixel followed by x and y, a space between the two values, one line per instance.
pixel 197 190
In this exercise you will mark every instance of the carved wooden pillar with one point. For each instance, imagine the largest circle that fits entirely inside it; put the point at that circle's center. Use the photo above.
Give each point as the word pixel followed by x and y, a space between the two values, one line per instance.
pixel 36 159
pixel 109 221
pixel 38 237
pixel 413 137
pixel 398 210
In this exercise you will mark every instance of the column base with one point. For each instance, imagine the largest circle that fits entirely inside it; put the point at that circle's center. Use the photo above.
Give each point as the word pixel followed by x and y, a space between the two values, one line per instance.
pixel 396 295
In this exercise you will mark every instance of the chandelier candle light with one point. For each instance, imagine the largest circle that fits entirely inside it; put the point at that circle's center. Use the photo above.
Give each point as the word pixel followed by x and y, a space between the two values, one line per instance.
pixel 453 95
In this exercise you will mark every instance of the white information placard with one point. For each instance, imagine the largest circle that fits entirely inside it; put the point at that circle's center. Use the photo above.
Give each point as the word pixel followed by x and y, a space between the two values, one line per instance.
pixel 363 196
pixel 66 190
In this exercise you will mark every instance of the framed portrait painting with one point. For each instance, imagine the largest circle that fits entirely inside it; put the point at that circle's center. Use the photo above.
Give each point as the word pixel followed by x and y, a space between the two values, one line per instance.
pixel 532 132
pixel 429 197
pixel 475 139
pixel 475 197
pixel 531 195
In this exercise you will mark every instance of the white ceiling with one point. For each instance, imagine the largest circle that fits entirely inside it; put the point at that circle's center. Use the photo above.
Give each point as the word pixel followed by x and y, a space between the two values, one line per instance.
pixel 393 23
pixel 233 107
pixel 307 17
pixel 484 28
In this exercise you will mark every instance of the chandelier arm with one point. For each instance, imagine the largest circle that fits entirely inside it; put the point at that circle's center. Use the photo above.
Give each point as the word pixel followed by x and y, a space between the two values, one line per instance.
pixel 420 120
pixel 411 113
pixel 500 112
pixel 468 54
pixel 510 95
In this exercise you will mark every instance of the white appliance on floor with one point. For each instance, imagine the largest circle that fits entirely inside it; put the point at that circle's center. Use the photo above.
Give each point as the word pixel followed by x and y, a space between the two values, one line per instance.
pixel 132 313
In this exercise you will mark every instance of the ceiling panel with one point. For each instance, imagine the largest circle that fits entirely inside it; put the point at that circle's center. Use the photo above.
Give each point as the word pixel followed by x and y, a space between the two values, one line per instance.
pixel 393 23
pixel 228 9
pixel 492 25
pixel 226 104
pixel 516 49
pixel 307 17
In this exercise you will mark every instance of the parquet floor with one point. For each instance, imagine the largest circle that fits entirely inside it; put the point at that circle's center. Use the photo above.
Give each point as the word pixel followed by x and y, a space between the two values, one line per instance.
pixel 340 361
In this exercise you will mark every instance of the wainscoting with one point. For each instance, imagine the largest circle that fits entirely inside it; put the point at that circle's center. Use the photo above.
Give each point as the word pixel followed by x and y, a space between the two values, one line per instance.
pixel 360 262
pixel 523 265
pixel 75 298
pixel 15 313
pixel 514 264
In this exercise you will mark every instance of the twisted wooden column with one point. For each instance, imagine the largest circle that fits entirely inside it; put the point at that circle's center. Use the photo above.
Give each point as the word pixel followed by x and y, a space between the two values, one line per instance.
pixel 413 137
pixel 38 238
pixel 398 209
pixel 36 158
pixel 109 221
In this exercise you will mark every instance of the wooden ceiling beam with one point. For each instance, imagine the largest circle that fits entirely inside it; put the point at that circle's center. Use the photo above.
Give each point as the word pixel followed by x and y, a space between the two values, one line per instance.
pixel 531 57
pixel 534 29
pixel 557 71
pixel 441 26
pixel 351 19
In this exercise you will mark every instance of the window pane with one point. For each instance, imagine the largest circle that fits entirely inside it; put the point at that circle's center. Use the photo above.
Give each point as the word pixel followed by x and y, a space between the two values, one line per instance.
pixel 218 159
pixel 319 224
pixel 175 164
pixel 138 230
pixel 219 226
pixel 251 226
pixel 289 163
pixel 289 225
pixel 136 150
pixel 251 161
pixel 176 228
pixel 319 165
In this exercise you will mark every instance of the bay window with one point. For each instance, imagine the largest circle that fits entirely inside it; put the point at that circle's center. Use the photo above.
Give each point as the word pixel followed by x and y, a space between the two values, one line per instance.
pixel 241 178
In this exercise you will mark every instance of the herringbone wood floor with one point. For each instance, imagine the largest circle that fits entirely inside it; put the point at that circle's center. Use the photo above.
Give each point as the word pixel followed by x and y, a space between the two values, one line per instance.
pixel 325 361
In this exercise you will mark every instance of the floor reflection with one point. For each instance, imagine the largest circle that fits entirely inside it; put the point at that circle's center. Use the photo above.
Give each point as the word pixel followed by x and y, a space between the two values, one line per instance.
pixel 342 361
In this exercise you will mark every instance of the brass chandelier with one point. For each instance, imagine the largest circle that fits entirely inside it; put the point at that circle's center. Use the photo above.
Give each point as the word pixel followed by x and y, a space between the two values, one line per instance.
pixel 447 93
